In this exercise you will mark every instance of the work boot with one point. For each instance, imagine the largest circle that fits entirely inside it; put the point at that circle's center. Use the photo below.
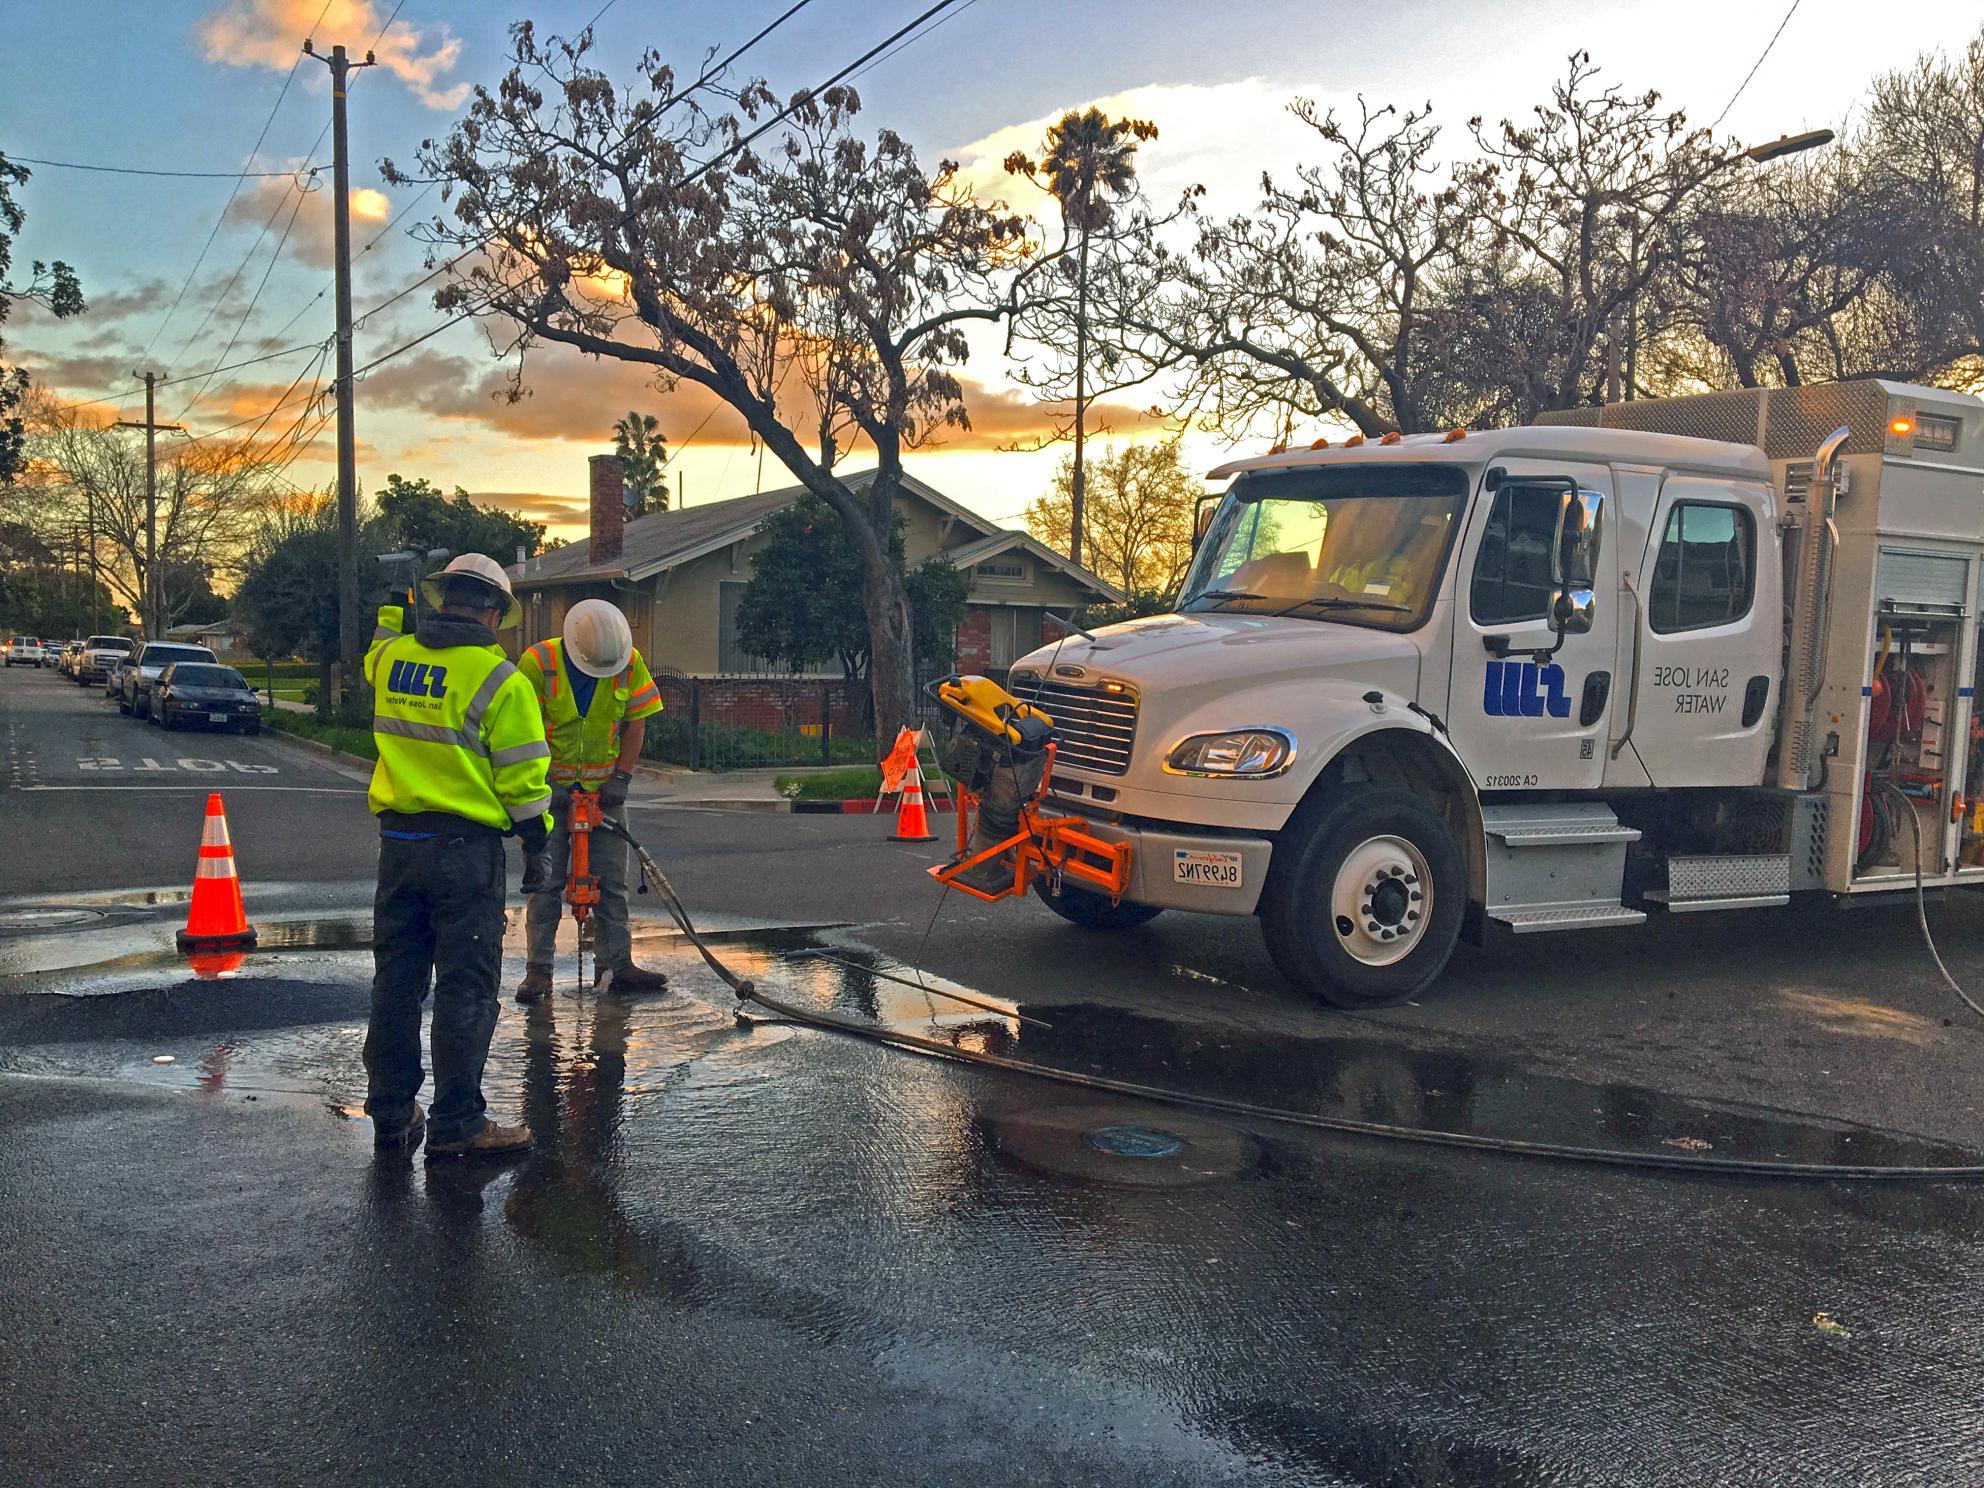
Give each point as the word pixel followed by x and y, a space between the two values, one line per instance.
pixel 536 985
pixel 631 980
pixel 405 1136
pixel 491 1141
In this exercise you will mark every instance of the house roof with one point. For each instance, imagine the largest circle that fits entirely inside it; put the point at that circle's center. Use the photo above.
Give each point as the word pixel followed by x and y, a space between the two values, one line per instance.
pixel 663 540
pixel 1004 542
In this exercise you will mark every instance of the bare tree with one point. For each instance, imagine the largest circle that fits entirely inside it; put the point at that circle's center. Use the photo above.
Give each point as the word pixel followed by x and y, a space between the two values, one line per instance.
pixel 209 496
pixel 589 225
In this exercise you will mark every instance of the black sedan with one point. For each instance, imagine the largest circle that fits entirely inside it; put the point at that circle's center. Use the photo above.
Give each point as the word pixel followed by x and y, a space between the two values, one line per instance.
pixel 200 693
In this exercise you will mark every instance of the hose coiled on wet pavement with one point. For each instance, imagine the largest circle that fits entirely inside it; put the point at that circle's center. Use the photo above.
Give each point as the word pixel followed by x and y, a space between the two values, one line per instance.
pixel 748 990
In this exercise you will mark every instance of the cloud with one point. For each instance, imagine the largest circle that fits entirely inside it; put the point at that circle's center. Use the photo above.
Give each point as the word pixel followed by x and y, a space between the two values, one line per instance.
pixel 312 234
pixel 267 33
pixel 1218 135
pixel 577 398
pixel 554 511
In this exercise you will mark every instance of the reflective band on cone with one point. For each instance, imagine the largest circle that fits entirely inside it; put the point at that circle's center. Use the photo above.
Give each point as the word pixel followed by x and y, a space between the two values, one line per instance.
pixel 216 919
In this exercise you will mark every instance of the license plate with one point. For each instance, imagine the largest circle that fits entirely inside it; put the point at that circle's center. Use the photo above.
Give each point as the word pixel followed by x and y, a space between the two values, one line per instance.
pixel 1213 870
pixel 217 718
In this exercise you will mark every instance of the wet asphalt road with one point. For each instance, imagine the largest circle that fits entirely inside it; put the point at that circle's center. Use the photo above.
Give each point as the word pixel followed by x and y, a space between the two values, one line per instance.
pixel 764 1254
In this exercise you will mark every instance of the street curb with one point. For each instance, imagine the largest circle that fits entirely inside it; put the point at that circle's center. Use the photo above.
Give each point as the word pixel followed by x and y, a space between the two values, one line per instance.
pixel 747 804
pixel 862 806
pixel 316 748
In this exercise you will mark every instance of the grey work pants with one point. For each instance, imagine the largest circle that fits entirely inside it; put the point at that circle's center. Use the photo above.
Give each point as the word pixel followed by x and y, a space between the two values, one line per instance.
pixel 613 942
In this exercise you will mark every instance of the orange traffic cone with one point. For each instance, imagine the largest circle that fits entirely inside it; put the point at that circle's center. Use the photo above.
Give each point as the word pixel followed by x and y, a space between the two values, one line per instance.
pixel 912 821
pixel 216 920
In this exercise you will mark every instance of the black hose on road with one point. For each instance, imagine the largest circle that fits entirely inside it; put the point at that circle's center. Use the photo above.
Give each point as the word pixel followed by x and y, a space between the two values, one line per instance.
pixel 748 991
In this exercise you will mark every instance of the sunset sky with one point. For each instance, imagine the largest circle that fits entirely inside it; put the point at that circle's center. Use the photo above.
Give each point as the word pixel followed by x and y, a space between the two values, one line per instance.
pixel 185 86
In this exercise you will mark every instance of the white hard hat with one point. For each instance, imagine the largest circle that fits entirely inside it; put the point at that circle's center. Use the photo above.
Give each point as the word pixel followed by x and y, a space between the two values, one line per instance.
pixel 598 640
pixel 474 566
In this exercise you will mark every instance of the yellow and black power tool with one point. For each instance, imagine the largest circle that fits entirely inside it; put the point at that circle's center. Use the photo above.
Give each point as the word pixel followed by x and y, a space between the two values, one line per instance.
pixel 1000 755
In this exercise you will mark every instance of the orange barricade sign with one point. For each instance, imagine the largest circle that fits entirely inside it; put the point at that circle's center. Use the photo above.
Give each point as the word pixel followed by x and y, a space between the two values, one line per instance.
pixel 901 760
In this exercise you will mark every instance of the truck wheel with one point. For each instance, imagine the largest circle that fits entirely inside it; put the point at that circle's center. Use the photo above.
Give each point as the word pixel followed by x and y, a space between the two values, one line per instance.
pixel 1093 911
pixel 1365 897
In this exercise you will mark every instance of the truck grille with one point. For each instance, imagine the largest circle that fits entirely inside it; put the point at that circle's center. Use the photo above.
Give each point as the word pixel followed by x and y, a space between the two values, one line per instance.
pixel 1094 729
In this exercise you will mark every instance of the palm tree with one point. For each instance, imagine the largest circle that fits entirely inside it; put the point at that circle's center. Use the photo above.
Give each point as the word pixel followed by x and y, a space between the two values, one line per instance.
pixel 1089 167
pixel 643 455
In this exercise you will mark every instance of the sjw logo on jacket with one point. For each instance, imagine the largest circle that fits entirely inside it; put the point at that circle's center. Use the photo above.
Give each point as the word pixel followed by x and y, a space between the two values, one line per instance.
pixel 1522 689
pixel 417 679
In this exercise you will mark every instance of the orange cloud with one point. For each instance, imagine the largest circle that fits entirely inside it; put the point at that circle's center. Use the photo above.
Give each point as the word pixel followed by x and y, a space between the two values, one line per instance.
pixel 311 236
pixel 266 33
pixel 570 396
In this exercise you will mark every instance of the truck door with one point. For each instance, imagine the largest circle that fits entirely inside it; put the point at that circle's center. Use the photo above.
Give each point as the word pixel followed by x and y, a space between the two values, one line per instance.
pixel 1705 689
pixel 1522 722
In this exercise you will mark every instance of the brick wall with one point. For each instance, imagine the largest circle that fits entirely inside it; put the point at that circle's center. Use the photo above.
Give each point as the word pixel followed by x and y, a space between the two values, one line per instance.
pixel 770 704
pixel 975 640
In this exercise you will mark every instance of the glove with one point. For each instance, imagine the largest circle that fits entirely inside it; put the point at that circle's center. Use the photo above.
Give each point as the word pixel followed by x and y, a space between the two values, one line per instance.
pixel 614 792
pixel 537 872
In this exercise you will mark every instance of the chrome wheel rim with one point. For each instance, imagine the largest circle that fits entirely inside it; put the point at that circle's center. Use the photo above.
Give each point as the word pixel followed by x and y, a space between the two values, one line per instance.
pixel 1382 900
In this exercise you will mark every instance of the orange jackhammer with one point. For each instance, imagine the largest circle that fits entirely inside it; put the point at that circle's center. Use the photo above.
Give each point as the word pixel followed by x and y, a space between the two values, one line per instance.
pixel 581 883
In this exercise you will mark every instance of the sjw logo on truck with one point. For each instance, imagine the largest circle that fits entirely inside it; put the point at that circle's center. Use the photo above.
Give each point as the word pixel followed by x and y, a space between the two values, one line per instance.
pixel 1522 689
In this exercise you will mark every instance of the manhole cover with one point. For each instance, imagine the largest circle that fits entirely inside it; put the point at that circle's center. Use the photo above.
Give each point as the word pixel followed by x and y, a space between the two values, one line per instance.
pixel 1134 1141
pixel 1105 1144
pixel 15 920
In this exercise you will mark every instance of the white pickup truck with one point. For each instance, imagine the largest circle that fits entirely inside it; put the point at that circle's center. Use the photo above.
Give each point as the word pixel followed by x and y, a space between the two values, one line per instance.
pixel 1688 654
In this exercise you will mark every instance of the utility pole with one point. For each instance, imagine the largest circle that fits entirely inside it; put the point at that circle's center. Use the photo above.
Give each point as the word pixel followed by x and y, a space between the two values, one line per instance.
pixel 148 599
pixel 350 636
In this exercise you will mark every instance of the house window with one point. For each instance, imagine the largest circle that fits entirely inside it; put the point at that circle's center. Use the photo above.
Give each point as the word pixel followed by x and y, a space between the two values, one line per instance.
pixel 1706 571
pixel 1015 632
pixel 1512 570
pixel 731 657
pixel 1002 571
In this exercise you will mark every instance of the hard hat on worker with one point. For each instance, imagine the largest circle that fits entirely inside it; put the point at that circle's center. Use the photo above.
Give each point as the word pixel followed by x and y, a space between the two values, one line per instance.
pixel 482 570
pixel 597 639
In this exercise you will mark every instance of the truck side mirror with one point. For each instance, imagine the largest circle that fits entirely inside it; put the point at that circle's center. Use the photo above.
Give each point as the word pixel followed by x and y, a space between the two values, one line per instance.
pixel 1574 561
pixel 1203 512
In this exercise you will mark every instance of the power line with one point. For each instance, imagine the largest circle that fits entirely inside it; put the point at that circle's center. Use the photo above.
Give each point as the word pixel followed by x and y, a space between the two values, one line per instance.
pixel 252 152
pixel 1768 47
pixel 914 40
pixel 254 300
pixel 227 288
pixel 132 170
pixel 810 94
pixel 866 57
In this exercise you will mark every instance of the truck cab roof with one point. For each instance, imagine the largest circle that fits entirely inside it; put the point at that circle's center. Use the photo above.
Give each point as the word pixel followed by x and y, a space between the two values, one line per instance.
pixel 1590 446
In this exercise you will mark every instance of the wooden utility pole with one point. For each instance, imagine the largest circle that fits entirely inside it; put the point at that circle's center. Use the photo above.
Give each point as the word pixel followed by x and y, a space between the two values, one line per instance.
pixel 148 598
pixel 350 633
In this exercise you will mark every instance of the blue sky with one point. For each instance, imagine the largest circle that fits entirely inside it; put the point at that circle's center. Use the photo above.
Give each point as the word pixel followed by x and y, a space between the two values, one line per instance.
pixel 187 85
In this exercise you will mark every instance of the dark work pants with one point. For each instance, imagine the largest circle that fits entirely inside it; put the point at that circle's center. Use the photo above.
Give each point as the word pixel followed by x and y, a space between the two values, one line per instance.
pixel 438 912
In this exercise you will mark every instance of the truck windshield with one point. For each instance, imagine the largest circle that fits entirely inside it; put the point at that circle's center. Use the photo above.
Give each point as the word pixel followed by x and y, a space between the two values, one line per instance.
pixel 1353 544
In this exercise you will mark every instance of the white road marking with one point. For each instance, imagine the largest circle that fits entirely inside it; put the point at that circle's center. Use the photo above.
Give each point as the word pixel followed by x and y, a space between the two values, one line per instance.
pixel 109 764
pixel 106 787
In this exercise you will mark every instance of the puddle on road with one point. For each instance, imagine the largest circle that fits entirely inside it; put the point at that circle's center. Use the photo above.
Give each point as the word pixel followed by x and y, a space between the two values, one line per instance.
pixel 1322 1073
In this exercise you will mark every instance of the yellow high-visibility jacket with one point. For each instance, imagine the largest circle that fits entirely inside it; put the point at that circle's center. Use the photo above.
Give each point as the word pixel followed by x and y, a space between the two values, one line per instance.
pixel 583 750
pixel 457 727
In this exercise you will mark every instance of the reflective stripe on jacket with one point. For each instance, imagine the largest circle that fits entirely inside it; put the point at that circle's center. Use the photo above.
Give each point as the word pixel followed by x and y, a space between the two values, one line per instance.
pixel 458 731
pixel 584 750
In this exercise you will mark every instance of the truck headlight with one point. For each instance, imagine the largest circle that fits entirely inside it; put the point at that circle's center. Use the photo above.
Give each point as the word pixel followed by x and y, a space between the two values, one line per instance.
pixel 1254 753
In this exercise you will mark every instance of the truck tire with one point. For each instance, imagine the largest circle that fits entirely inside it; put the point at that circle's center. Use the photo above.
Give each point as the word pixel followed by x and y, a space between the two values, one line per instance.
pixel 1365 897
pixel 1093 911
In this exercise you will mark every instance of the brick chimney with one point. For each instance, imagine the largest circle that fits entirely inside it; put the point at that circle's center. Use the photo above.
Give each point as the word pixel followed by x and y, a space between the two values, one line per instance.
pixel 609 510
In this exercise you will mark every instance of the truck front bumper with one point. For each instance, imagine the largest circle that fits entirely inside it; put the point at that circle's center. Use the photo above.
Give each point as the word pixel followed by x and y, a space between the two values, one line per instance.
pixel 1154 853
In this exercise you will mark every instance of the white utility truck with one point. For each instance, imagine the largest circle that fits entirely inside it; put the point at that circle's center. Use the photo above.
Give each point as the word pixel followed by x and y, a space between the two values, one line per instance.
pixel 1688 654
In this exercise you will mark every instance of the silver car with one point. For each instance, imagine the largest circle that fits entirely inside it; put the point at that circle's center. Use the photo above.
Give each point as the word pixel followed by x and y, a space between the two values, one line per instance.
pixel 134 693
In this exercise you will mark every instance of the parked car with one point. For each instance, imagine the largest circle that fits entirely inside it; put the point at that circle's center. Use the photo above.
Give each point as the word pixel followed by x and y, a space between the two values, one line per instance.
pixel 194 694
pixel 51 652
pixel 24 651
pixel 136 677
pixel 94 662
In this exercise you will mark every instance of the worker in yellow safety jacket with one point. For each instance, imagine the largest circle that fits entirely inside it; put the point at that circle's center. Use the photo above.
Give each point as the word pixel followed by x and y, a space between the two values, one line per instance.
pixel 597 695
pixel 462 764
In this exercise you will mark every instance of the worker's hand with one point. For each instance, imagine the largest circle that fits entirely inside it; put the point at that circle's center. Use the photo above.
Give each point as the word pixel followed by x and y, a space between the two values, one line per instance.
pixel 614 792
pixel 537 872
